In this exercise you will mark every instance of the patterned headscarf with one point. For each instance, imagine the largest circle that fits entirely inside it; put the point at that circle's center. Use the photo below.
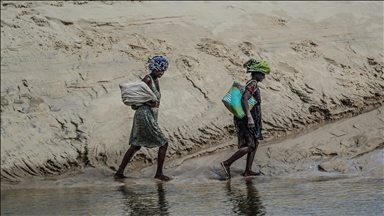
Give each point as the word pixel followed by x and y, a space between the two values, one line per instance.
pixel 254 66
pixel 158 63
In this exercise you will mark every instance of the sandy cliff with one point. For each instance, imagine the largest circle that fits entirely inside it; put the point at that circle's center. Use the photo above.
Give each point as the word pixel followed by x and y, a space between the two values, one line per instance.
pixel 62 63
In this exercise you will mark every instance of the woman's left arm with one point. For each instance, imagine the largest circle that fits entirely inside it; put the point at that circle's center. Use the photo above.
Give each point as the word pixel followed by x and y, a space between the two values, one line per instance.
pixel 153 103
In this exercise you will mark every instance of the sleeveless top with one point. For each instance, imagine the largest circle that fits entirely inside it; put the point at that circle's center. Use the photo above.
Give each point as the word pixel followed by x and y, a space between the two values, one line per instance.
pixel 241 125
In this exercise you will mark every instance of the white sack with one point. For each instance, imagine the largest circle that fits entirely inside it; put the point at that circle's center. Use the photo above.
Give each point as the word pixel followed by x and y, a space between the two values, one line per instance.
pixel 136 93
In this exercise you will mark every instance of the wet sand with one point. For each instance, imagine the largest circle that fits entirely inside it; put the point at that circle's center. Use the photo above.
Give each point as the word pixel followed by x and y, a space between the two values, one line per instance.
pixel 351 147
pixel 63 123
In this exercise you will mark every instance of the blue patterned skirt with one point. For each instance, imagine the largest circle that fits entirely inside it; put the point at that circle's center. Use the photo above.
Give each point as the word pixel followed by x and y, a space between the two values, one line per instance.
pixel 145 130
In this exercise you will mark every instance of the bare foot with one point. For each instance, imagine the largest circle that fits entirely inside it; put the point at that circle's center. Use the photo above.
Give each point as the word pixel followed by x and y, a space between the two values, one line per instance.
pixel 163 177
pixel 226 169
pixel 250 173
pixel 119 176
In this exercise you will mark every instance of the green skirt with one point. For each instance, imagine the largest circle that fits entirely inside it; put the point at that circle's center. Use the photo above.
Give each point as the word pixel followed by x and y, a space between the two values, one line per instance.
pixel 145 130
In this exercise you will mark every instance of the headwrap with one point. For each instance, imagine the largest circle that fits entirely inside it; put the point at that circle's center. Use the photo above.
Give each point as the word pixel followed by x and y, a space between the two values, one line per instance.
pixel 158 63
pixel 254 66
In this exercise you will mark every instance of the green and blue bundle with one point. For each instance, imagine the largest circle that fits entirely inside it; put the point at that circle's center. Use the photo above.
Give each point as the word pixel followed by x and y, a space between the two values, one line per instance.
pixel 232 100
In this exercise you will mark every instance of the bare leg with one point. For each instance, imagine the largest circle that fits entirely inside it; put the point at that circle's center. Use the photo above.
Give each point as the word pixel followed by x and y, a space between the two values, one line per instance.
pixel 127 157
pixel 250 157
pixel 240 153
pixel 160 163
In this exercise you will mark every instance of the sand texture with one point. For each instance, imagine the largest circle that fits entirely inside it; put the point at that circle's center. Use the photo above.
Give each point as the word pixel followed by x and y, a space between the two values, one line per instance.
pixel 62 63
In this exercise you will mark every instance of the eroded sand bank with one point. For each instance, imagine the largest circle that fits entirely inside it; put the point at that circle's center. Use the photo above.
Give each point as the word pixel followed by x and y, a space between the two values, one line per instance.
pixel 62 63
pixel 348 148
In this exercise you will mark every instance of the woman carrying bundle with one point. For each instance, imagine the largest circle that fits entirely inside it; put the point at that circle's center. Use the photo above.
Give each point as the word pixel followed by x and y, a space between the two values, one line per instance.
pixel 249 128
pixel 145 130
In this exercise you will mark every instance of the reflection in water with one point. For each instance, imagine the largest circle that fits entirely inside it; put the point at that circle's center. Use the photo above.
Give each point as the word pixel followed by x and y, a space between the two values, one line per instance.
pixel 248 202
pixel 163 204
pixel 142 202
pixel 348 196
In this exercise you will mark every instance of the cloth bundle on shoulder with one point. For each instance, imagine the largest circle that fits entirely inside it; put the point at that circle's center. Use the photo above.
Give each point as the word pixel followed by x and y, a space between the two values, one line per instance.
pixel 232 100
pixel 136 93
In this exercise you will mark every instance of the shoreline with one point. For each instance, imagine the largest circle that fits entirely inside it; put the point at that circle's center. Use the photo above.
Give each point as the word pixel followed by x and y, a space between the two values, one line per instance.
pixel 204 167
pixel 62 64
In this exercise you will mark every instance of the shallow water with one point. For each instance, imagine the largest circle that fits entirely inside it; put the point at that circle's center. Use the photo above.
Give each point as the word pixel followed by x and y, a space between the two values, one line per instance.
pixel 239 196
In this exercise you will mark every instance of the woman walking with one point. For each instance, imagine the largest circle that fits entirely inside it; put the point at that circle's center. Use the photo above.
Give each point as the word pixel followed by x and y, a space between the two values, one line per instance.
pixel 249 128
pixel 145 130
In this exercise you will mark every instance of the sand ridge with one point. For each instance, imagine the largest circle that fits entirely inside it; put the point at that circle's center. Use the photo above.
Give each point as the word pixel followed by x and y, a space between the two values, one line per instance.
pixel 61 67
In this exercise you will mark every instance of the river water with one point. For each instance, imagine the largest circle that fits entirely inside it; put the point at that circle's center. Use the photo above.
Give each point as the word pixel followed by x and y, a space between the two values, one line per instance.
pixel 238 196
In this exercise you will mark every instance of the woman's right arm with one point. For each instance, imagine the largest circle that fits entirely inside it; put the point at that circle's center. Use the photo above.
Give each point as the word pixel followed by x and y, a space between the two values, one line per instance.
pixel 244 103
pixel 147 81
pixel 249 89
